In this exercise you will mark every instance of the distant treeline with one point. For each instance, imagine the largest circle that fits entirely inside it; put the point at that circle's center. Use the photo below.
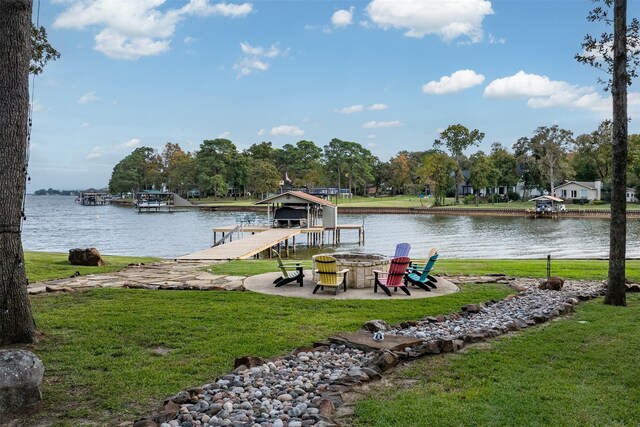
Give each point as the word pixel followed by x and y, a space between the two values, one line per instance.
pixel 51 192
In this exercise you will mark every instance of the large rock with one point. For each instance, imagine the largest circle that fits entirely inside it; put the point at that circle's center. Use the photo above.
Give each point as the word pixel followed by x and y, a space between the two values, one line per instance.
pixel 21 374
pixel 88 256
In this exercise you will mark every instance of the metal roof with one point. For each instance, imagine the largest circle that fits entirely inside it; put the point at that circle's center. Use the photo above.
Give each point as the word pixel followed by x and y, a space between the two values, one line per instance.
pixel 295 197
pixel 550 198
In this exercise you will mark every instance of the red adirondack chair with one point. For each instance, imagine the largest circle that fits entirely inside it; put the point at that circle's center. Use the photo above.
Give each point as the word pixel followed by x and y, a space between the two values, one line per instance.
pixel 393 277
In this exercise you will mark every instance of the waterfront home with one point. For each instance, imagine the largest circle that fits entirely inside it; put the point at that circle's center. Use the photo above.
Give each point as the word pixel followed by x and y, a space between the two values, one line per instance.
pixel 580 190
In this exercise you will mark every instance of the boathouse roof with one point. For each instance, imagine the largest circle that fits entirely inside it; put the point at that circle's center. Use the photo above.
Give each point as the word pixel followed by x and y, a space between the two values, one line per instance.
pixel 295 197
pixel 546 198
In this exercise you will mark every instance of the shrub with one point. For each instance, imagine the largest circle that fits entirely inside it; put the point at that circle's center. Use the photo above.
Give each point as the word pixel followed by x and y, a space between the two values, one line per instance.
pixel 469 199
pixel 513 196
pixel 598 202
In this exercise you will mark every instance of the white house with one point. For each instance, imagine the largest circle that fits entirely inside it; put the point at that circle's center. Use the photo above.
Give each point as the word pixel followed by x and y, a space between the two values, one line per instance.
pixel 631 195
pixel 579 190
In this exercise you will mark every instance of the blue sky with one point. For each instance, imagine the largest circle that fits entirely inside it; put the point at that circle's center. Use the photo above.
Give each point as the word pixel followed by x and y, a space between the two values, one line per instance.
pixel 388 74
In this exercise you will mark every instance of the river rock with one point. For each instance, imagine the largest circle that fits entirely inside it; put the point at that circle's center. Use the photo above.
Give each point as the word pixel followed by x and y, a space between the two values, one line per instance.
pixel 21 373
pixel 88 256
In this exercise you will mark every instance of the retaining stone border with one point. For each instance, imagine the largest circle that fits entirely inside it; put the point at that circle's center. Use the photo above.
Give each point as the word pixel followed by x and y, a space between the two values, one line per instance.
pixel 304 388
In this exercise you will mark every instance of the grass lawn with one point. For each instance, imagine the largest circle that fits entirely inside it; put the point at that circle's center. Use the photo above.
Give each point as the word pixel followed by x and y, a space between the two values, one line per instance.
pixel 580 371
pixel 112 355
pixel 45 266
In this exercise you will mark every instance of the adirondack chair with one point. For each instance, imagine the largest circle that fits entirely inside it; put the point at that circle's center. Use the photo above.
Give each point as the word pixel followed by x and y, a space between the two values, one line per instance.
pixel 393 277
pixel 327 271
pixel 288 275
pixel 402 249
pixel 419 275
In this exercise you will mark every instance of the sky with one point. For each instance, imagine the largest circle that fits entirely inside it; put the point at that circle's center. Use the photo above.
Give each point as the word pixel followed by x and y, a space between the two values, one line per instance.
pixel 388 74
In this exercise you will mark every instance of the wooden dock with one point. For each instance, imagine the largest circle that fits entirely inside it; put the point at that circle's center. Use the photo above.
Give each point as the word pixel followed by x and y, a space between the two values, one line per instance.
pixel 245 247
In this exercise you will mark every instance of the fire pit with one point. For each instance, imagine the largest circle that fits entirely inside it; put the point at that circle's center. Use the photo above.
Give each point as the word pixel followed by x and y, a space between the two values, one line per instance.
pixel 360 267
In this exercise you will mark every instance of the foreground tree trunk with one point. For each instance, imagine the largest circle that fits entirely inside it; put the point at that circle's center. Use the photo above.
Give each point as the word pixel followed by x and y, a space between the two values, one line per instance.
pixel 618 235
pixel 16 322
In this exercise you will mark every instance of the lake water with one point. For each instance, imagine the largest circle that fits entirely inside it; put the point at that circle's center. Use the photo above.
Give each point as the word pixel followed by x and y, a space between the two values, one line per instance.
pixel 57 223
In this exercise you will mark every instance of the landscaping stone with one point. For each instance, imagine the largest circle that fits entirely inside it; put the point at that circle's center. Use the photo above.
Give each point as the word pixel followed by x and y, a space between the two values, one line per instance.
pixel 88 256
pixel 21 374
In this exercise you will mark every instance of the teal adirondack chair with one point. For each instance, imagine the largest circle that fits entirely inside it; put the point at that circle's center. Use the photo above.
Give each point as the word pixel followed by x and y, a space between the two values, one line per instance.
pixel 419 275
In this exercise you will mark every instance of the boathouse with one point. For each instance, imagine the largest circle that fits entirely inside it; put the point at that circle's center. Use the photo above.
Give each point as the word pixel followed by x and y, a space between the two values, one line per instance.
pixel 299 209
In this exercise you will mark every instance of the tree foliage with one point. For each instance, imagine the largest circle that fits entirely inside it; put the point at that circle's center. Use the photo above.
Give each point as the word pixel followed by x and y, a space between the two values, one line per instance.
pixel 457 138
pixel 41 50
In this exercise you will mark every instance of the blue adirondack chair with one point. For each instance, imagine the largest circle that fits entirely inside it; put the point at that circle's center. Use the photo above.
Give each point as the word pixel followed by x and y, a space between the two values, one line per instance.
pixel 419 275
pixel 402 249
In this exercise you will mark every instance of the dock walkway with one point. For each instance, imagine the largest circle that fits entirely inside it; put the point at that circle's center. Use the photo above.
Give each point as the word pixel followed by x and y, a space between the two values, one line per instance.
pixel 245 247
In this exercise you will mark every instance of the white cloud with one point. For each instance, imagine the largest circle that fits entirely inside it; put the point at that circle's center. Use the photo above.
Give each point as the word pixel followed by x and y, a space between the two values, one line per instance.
pixel 343 17
pixel 85 125
pixel 254 58
pixel 542 92
pixel 449 19
pixel 286 130
pixel 378 125
pixel 261 132
pixel 37 106
pixel 224 135
pixel 460 80
pixel 88 97
pixel 189 40
pixel 95 153
pixel 131 29
pixel 372 136
pixel 132 143
pixel 352 109
pixel 378 107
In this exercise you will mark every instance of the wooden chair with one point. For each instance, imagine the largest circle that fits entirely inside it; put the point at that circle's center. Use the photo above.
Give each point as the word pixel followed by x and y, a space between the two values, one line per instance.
pixel 393 277
pixel 419 275
pixel 288 275
pixel 402 249
pixel 327 271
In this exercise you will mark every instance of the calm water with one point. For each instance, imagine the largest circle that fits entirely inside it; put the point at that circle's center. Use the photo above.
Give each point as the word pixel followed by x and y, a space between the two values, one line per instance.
pixel 56 223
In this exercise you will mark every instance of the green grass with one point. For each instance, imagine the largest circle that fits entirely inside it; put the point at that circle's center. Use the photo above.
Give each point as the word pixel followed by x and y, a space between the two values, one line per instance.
pixel 567 269
pixel 580 371
pixel 98 345
pixel 46 266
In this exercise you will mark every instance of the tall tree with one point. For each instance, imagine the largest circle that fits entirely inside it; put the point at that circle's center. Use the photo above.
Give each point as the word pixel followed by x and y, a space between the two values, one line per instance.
pixel 482 173
pixel 597 146
pixel 528 168
pixel 349 162
pixel 214 158
pixel 435 173
pixel 620 61
pixel 399 172
pixel 506 165
pixel 549 146
pixel 16 321
pixel 41 50
pixel 457 138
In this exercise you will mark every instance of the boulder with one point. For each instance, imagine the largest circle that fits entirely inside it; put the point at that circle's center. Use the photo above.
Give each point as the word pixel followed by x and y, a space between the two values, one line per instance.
pixel 554 283
pixel 376 326
pixel 88 256
pixel 21 374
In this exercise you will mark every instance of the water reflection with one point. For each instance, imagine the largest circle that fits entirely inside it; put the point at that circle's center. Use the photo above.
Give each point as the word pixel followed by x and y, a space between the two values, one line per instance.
pixel 56 223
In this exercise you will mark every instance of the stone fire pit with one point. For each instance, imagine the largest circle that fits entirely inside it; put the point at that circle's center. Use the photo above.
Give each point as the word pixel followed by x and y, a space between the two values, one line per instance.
pixel 360 267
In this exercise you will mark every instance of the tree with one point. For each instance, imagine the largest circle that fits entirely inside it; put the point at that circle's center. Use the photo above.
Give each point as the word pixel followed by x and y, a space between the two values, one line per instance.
pixel 458 138
pixel 530 174
pixel 597 146
pixel 436 173
pixel 16 320
pixel 140 170
pixel 549 146
pixel 263 177
pixel 214 158
pixel 506 165
pixel 620 61
pixel 41 51
pixel 301 162
pixel 348 162
pixel 399 172
pixel 482 173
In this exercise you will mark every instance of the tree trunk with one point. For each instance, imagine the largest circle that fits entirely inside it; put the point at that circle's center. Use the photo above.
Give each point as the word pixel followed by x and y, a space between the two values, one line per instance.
pixel 16 322
pixel 618 234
